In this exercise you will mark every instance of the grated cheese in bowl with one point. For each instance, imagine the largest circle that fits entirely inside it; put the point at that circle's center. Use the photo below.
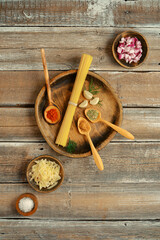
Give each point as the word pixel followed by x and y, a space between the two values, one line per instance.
pixel 45 173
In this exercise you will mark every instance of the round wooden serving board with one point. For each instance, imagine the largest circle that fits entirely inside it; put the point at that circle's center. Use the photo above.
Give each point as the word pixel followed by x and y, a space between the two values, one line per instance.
pixel 101 134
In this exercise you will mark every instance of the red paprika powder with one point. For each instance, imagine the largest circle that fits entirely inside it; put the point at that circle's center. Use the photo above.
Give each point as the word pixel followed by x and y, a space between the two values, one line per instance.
pixel 52 114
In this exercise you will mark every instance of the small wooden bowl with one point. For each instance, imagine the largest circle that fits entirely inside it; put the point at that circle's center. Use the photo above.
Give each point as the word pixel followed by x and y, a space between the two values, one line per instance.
pixel 145 49
pixel 34 185
pixel 29 195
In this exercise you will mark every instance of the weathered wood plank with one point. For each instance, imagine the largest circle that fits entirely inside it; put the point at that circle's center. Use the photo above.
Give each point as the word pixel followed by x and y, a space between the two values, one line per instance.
pixel 123 162
pixel 68 38
pixel 133 89
pixel 20 48
pixel 86 230
pixel 88 201
pixel 19 124
pixel 80 13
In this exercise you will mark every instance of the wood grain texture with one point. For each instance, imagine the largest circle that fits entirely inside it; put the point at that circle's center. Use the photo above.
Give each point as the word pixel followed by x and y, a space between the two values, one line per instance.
pixel 123 163
pixel 110 201
pixel 20 48
pixel 18 124
pixel 68 230
pixel 89 205
pixel 80 13
pixel 134 89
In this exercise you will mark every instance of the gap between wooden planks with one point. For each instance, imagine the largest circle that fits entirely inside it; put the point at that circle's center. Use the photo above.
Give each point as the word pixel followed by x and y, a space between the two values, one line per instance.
pixel 20 48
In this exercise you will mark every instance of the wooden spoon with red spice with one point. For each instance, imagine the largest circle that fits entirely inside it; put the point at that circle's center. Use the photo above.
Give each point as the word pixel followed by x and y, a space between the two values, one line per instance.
pixel 52 113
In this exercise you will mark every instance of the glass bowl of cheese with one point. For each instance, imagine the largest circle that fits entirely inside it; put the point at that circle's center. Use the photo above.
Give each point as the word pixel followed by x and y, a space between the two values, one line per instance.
pixel 45 173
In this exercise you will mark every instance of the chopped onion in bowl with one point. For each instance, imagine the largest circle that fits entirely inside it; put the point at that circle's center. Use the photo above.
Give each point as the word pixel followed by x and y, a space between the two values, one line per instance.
pixel 129 49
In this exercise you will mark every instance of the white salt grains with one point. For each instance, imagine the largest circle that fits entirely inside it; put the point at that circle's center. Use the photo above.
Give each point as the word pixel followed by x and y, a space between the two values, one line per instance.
pixel 26 204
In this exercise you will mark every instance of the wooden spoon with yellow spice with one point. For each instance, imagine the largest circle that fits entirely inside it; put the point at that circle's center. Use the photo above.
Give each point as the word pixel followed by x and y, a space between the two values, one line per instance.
pixel 85 128
pixel 95 116
pixel 52 113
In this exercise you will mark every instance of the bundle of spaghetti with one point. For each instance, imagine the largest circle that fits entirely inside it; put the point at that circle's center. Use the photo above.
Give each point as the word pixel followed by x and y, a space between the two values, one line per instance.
pixel 77 88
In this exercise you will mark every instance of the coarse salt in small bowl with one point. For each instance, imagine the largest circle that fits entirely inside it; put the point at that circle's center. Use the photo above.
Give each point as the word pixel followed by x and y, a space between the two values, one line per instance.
pixel 26 204
pixel 125 50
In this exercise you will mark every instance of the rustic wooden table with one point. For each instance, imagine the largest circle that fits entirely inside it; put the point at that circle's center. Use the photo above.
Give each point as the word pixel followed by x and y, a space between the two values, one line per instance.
pixel 123 201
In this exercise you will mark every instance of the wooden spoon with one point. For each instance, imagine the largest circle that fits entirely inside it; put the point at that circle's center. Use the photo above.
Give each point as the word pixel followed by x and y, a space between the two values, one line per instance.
pixel 51 105
pixel 84 128
pixel 122 131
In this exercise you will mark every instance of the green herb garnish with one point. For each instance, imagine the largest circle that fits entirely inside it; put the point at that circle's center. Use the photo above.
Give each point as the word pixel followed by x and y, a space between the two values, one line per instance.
pixel 100 103
pixel 92 88
pixel 71 147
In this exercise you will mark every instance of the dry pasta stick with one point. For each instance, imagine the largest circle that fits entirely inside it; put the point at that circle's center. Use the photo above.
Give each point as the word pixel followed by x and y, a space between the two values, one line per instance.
pixel 77 88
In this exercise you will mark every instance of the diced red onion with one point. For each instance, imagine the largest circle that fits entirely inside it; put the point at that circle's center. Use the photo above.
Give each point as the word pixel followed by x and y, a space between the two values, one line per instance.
pixel 129 49
pixel 139 55
pixel 133 55
pixel 122 40
pixel 121 56
pixel 119 49
pixel 136 50
pixel 121 45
